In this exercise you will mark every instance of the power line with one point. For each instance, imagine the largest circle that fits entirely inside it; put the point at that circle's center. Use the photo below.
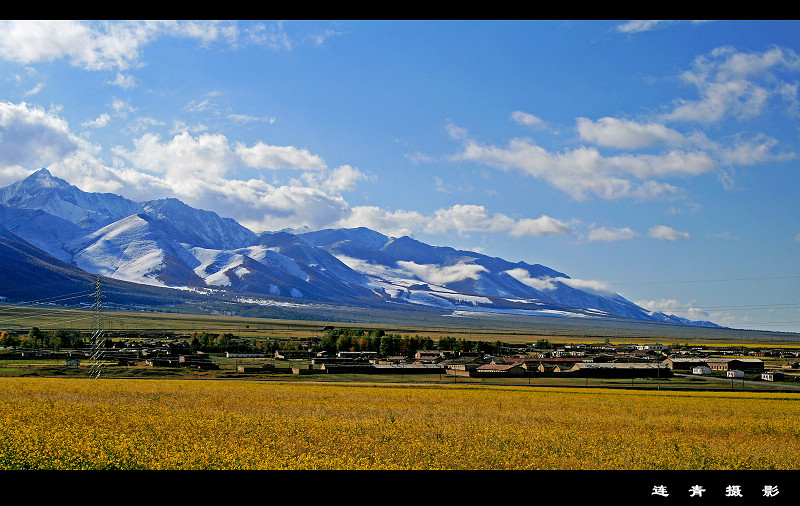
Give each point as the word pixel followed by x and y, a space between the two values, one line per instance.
pixel 54 299
pixel 96 368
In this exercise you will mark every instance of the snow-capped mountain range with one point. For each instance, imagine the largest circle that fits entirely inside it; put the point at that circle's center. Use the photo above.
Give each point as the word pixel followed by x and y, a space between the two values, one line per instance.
pixel 165 243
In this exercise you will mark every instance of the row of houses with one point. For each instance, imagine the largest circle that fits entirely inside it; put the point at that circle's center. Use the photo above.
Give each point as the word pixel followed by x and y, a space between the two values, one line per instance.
pixel 475 365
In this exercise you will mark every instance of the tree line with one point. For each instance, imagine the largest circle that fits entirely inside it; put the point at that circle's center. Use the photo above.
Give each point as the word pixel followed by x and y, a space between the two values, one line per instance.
pixel 37 338
pixel 332 341
pixel 377 340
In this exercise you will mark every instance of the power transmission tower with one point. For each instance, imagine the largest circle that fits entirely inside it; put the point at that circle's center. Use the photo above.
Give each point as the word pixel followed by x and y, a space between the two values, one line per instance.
pixel 97 345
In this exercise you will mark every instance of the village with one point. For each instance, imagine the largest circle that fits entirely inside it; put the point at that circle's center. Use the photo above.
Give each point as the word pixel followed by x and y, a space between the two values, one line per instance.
pixel 584 361
pixel 541 359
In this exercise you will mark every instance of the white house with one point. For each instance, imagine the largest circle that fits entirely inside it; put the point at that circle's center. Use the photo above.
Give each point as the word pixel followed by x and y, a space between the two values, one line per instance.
pixel 735 373
pixel 648 347
pixel 772 376
pixel 702 369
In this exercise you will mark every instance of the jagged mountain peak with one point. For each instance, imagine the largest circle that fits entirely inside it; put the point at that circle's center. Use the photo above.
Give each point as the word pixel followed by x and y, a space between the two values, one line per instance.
pixel 199 227
pixel 43 191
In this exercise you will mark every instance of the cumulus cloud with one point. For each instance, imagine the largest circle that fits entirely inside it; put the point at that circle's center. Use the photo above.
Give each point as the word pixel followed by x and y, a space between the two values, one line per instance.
pixel 212 155
pixel 183 157
pixel 95 45
pixel 32 135
pixel 264 156
pixel 435 274
pixel 584 171
pixel 666 233
pixel 461 218
pixel 200 169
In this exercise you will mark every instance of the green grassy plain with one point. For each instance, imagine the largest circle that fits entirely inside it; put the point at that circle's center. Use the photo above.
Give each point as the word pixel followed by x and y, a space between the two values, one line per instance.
pixel 511 329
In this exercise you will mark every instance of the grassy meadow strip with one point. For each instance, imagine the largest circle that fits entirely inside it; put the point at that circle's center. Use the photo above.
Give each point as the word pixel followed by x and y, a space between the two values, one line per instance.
pixel 60 423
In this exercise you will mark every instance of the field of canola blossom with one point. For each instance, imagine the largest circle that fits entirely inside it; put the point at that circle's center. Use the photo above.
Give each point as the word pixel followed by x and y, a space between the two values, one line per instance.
pixel 177 424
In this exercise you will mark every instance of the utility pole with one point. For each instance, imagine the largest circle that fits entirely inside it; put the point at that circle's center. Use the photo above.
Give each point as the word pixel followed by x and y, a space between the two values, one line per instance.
pixel 96 367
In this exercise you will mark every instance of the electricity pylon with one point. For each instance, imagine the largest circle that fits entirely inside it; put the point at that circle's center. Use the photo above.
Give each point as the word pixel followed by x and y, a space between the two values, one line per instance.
pixel 96 367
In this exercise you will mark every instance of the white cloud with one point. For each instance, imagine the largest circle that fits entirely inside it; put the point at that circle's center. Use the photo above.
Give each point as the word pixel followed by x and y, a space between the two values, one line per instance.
pixel 584 171
pixel 31 135
pixel 646 25
pixel 474 218
pixel 196 169
pixel 435 274
pixel 730 83
pixel 751 151
pixel 621 133
pixel 672 163
pixel 524 277
pixel 210 156
pixel 35 90
pixel 587 285
pixel 666 233
pixel 339 180
pixel 639 25
pixel 527 119
pixel 100 121
pixel 124 81
pixel 460 218
pixel 273 36
pixel 264 156
pixel 392 223
pixel 549 283
pixel 736 84
pixel 674 307
pixel 183 157
pixel 606 234
pixel 97 45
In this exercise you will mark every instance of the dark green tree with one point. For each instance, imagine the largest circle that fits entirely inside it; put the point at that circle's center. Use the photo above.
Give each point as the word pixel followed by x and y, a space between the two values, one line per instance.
pixel 36 337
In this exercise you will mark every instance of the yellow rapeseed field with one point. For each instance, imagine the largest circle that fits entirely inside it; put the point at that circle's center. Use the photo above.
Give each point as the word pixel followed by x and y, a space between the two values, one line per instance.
pixel 51 423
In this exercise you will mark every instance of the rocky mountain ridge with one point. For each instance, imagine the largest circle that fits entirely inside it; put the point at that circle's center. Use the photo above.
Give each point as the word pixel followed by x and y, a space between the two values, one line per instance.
pixel 168 244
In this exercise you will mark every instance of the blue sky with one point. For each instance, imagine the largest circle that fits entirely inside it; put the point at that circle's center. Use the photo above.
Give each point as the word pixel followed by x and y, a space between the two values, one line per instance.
pixel 654 159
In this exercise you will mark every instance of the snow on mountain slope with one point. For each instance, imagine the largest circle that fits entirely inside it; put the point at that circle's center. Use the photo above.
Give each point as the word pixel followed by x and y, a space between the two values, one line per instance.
pixel 43 230
pixel 136 249
pixel 408 270
pixel 319 260
pixel 167 243
pixel 216 266
pixel 198 227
